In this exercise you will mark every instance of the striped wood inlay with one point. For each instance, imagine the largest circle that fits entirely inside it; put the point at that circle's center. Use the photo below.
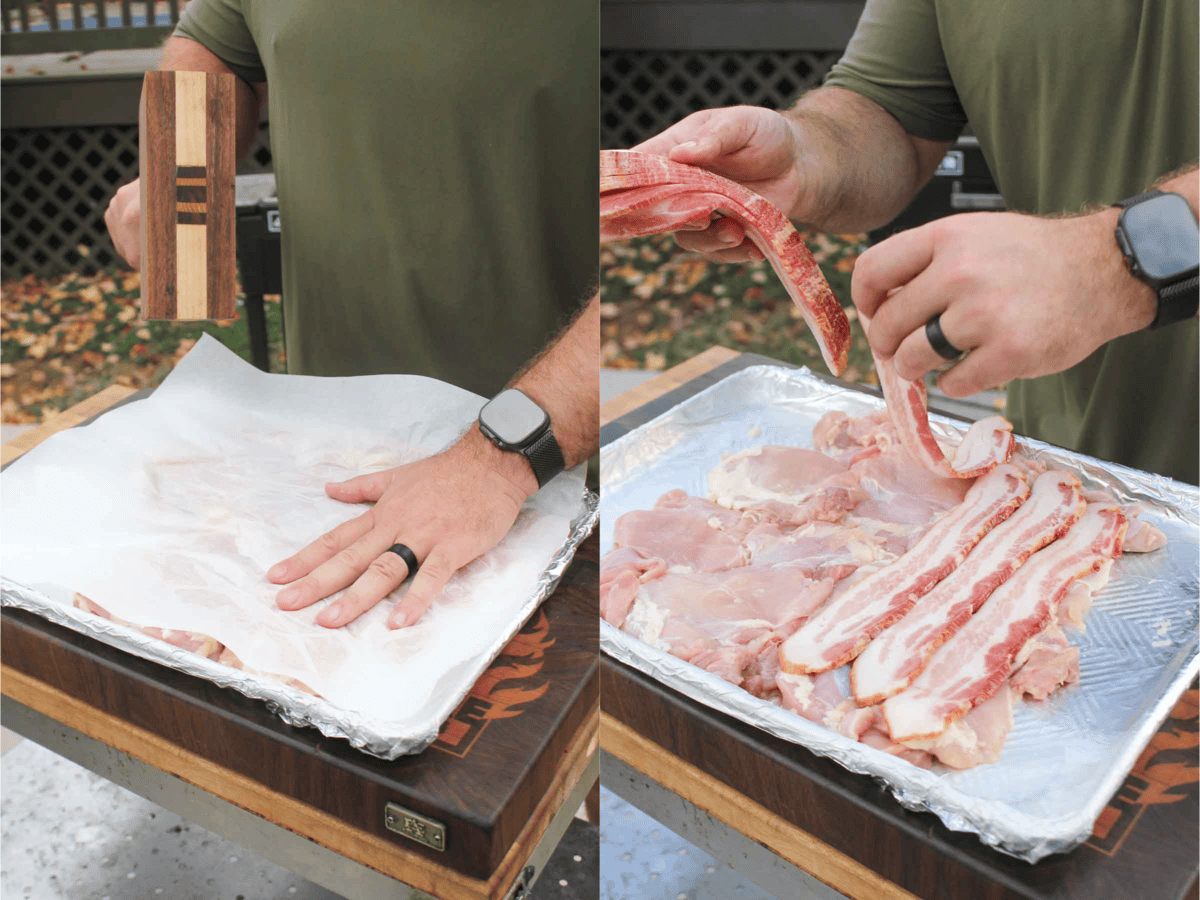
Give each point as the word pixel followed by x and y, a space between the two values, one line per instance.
pixel 191 160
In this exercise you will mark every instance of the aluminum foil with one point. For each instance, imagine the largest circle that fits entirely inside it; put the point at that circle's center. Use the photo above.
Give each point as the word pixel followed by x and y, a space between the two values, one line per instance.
pixel 1064 757
pixel 294 706
pixel 77 518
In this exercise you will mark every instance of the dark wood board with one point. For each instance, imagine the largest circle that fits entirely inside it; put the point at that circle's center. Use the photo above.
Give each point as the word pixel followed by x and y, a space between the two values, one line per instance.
pixel 1145 844
pixel 156 182
pixel 482 778
pixel 221 191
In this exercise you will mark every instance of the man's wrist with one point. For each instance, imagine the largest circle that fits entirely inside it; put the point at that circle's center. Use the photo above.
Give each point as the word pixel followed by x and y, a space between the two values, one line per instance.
pixel 510 465
pixel 806 205
pixel 1136 303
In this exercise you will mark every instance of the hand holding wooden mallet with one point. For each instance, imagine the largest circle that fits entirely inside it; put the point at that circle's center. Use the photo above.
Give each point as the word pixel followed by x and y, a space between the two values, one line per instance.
pixel 187 122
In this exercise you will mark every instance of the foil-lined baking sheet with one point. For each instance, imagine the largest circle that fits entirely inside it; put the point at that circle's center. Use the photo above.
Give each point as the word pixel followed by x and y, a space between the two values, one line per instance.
pixel 168 511
pixel 1064 757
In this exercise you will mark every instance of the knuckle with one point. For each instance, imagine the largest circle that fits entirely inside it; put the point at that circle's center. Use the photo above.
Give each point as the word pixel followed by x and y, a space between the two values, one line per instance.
pixel 352 558
pixel 438 569
pixel 390 566
pixel 905 365
pixel 961 270
pixel 329 542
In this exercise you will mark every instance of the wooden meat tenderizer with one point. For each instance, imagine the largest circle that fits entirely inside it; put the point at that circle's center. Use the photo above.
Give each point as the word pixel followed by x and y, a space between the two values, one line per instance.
pixel 187 122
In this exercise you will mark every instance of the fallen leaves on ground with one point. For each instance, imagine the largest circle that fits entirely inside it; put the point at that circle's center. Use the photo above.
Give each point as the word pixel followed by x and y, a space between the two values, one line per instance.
pixel 63 339
pixel 661 305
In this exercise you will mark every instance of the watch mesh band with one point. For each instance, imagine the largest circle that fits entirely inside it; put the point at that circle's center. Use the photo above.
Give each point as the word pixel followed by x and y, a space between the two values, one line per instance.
pixel 545 457
pixel 1177 302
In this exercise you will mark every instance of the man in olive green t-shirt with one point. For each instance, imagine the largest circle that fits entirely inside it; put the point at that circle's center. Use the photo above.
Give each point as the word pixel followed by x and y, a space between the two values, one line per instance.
pixel 1076 107
pixel 436 172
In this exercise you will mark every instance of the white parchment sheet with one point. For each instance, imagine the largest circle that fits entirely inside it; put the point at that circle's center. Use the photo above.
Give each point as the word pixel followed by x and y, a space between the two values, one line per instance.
pixel 169 511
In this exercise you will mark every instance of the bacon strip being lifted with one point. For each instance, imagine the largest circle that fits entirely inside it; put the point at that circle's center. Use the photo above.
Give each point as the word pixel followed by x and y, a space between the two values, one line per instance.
pixel 898 656
pixel 641 193
pixel 987 443
pixel 971 666
pixel 844 626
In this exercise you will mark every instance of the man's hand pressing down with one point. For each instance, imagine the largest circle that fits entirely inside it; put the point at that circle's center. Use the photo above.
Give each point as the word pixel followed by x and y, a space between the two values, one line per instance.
pixel 448 509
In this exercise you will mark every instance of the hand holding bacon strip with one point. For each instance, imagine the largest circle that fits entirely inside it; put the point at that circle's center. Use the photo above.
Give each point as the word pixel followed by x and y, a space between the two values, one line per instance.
pixel 641 193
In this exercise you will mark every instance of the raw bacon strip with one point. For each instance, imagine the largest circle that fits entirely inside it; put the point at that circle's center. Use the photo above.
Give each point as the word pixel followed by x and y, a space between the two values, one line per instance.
pixel 978 737
pixel 897 656
pixel 228 658
pixel 191 641
pixel 845 625
pixel 972 666
pixel 987 443
pixel 641 193
pixel 820 699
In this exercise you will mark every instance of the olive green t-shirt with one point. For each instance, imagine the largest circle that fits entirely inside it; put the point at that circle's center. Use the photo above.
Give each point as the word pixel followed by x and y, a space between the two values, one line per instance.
pixel 436 169
pixel 1073 104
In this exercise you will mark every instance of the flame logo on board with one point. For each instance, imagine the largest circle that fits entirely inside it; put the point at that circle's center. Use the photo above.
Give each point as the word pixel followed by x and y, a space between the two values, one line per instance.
pixel 520 661
pixel 1165 773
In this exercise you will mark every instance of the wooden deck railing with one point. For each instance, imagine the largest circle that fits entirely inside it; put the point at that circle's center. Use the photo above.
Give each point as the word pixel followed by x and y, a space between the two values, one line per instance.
pixel 46 26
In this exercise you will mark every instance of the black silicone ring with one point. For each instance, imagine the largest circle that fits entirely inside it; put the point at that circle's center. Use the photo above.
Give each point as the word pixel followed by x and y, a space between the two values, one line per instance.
pixel 410 558
pixel 937 340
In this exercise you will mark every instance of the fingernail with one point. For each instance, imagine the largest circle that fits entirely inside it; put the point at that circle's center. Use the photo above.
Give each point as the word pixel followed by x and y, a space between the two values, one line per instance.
pixel 276 571
pixel 285 597
pixel 686 145
pixel 399 619
pixel 330 615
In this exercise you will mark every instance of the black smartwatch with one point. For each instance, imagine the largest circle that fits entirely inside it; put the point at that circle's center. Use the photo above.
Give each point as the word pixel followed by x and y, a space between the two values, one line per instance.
pixel 1158 235
pixel 513 422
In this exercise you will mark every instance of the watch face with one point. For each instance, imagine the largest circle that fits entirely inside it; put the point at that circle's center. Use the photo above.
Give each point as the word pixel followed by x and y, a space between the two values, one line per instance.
pixel 513 417
pixel 1163 234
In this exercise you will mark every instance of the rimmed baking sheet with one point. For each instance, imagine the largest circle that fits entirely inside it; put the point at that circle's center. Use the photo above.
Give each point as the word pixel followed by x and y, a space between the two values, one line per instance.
pixel 168 511
pixel 1064 757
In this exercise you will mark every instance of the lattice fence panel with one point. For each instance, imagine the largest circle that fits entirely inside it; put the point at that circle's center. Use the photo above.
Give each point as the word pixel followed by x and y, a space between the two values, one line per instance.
pixel 57 183
pixel 644 91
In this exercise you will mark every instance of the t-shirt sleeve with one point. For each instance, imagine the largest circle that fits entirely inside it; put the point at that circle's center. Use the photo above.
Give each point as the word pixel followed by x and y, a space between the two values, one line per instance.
pixel 220 25
pixel 895 58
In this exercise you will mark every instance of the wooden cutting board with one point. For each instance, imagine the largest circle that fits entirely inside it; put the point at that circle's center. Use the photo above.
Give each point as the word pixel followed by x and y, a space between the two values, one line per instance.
pixel 186 157
pixel 846 829
pixel 501 767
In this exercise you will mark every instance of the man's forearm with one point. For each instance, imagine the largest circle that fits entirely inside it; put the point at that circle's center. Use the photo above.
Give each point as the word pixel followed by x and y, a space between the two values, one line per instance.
pixel 185 55
pixel 564 380
pixel 858 167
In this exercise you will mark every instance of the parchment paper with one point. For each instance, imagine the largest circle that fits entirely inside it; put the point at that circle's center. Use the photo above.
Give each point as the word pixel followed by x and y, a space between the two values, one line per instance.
pixel 168 512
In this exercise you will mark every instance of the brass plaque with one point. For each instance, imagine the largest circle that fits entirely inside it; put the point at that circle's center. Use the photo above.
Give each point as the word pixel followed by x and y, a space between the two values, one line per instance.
pixel 415 826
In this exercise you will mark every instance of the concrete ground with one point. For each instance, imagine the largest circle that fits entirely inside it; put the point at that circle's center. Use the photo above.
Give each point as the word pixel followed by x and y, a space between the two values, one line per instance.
pixel 640 858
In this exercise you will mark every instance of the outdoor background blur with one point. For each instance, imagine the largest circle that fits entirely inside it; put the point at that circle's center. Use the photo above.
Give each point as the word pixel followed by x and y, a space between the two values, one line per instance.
pixel 68 317
pixel 71 79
